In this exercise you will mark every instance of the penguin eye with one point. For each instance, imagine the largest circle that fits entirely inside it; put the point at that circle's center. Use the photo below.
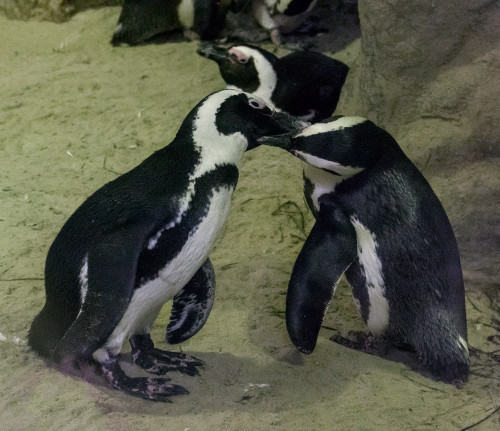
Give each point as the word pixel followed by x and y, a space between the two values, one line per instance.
pixel 256 104
pixel 239 58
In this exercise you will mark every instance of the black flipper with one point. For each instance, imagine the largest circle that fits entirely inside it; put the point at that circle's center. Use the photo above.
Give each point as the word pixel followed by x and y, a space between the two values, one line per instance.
pixel 192 305
pixel 158 361
pixel 328 251
pixel 112 264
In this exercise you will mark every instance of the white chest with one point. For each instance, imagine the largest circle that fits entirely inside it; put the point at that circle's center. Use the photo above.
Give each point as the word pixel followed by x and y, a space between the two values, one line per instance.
pixel 185 12
pixel 200 241
pixel 148 299
pixel 371 266
pixel 323 182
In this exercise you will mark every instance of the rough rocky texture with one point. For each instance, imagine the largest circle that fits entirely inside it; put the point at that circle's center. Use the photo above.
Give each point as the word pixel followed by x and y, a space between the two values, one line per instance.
pixel 422 63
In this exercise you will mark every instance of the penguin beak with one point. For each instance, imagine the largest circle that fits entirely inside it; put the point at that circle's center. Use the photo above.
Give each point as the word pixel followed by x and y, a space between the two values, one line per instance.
pixel 291 125
pixel 213 52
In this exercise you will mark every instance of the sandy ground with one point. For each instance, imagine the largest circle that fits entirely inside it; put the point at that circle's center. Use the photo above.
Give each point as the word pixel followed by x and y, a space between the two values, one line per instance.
pixel 74 113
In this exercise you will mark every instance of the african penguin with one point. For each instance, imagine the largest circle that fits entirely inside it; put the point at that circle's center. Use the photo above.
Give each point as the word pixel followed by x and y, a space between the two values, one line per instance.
pixel 144 239
pixel 379 222
pixel 278 16
pixel 141 20
pixel 304 83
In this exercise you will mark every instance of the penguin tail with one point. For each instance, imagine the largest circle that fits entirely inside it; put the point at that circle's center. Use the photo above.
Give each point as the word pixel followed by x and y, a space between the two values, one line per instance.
pixel 45 332
pixel 443 350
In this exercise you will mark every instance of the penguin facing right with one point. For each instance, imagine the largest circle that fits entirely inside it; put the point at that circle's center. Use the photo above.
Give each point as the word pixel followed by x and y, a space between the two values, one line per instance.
pixel 379 222
pixel 305 84
pixel 143 239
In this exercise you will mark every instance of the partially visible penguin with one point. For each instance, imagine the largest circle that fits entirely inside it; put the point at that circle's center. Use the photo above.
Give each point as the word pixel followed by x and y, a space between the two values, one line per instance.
pixel 141 20
pixel 281 16
pixel 144 239
pixel 303 83
pixel 379 222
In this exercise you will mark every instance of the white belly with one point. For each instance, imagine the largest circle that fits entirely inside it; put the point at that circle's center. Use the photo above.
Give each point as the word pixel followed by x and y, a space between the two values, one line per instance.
pixel 148 299
pixel 378 314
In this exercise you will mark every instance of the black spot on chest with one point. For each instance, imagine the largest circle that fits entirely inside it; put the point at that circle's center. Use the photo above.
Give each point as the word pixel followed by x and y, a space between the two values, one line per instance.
pixel 171 241
pixel 308 192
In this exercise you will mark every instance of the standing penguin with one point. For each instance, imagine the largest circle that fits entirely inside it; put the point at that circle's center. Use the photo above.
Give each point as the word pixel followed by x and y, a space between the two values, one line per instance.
pixel 304 83
pixel 278 16
pixel 144 239
pixel 141 20
pixel 379 222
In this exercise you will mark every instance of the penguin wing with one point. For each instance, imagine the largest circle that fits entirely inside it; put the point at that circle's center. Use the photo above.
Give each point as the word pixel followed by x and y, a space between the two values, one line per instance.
pixel 192 305
pixel 328 251
pixel 112 264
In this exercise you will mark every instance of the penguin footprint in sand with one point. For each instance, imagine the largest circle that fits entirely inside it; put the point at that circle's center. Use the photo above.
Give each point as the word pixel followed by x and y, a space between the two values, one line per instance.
pixel 379 222
pixel 144 239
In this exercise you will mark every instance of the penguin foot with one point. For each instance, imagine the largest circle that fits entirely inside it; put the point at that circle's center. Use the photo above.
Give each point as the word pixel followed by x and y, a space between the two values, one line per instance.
pixel 143 387
pixel 156 361
pixel 362 342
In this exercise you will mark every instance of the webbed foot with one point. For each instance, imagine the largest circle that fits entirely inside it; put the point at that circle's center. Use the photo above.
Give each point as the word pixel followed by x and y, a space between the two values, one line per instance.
pixel 143 387
pixel 363 342
pixel 156 361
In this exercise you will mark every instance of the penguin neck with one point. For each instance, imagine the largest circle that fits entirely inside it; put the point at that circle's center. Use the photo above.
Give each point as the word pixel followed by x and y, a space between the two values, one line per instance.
pixel 266 73
pixel 267 78
pixel 185 12
pixel 213 147
pixel 322 182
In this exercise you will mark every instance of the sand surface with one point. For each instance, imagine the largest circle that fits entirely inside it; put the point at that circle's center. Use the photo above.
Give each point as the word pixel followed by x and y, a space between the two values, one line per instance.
pixel 75 113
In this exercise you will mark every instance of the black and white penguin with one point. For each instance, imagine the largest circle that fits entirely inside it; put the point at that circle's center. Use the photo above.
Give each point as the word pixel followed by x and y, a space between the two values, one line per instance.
pixel 141 20
pixel 379 222
pixel 281 16
pixel 303 83
pixel 144 239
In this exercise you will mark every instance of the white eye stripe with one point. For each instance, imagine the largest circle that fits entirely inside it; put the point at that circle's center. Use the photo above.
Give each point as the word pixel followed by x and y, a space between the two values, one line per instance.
pixel 257 103
pixel 331 126
pixel 267 75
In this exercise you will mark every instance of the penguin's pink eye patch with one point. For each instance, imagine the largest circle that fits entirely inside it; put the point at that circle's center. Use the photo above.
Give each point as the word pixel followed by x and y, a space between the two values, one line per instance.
pixel 238 55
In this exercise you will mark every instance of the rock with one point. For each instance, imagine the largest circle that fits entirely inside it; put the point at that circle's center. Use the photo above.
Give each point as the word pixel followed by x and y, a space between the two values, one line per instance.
pixel 425 64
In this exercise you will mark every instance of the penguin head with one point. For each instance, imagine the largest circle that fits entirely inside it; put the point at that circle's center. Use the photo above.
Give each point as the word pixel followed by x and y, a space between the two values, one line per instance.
pixel 342 146
pixel 246 67
pixel 240 115
pixel 249 115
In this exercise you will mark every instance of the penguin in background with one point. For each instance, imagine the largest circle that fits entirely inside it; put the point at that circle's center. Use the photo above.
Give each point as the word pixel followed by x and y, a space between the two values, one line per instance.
pixel 143 239
pixel 142 20
pixel 281 16
pixel 379 222
pixel 305 84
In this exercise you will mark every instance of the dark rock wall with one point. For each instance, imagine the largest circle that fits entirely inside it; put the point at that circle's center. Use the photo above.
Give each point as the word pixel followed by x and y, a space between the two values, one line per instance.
pixel 425 63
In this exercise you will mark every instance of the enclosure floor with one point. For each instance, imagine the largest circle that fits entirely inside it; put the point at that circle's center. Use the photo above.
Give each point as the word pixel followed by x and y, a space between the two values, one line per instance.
pixel 76 112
